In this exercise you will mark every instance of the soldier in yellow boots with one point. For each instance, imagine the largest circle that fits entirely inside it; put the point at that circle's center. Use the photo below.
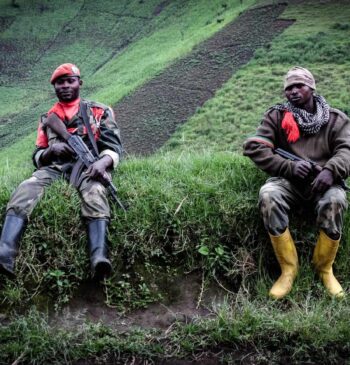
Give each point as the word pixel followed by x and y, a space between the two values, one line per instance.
pixel 304 145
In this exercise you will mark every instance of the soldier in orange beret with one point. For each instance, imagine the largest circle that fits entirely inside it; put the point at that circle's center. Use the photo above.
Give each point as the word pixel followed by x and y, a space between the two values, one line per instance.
pixel 53 158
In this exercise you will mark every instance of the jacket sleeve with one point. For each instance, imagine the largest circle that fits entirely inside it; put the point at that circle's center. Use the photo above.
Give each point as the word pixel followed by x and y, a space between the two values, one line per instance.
pixel 260 147
pixel 41 143
pixel 339 163
pixel 109 142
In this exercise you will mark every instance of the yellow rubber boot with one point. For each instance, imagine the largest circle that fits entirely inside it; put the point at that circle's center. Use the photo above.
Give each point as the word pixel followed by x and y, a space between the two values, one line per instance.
pixel 323 258
pixel 287 257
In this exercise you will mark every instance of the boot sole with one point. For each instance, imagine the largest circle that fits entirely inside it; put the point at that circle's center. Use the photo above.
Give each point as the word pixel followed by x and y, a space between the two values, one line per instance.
pixel 102 270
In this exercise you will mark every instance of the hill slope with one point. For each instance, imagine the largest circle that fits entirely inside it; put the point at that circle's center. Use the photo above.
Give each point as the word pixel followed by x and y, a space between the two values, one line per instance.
pixel 118 46
pixel 150 116
pixel 319 40
pixel 192 209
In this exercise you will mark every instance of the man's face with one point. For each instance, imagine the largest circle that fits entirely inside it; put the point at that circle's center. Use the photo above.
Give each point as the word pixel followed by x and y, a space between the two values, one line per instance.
pixel 298 95
pixel 67 88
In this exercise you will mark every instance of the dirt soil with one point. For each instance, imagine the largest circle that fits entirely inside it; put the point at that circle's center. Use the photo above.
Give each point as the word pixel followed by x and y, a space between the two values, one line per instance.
pixel 150 115
pixel 88 304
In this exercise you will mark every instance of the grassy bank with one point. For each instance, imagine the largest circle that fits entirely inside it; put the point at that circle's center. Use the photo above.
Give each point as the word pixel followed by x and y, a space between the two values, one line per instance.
pixel 180 218
pixel 188 210
pixel 304 337
pixel 177 206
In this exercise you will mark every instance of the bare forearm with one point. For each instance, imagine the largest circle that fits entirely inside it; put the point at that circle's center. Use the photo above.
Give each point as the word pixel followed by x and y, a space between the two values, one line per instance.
pixel 106 161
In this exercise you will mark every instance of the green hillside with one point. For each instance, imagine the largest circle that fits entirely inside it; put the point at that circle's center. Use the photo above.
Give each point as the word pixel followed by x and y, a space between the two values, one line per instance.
pixel 192 205
pixel 118 45
pixel 319 40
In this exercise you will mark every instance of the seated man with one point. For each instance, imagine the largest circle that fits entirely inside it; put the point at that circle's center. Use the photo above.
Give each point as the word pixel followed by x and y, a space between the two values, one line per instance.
pixel 308 127
pixel 53 159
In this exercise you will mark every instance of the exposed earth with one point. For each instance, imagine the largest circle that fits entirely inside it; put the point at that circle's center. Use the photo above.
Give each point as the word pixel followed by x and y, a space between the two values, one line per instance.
pixel 150 115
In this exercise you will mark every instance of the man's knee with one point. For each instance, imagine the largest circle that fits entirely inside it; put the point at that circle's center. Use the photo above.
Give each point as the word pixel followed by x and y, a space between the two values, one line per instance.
pixel 29 183
pixel 93 191
pixel 334 201
pixel 330 210
pixel 269 197
pixel 273 208
pixel 95 202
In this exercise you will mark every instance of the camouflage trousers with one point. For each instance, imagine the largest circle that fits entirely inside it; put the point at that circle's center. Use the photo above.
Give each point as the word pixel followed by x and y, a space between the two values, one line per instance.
pixel 278 196
pixel 94 202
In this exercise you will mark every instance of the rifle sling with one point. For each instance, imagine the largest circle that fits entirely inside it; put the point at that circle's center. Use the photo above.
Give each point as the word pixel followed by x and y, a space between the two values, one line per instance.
pixel 83 108
pixel 76 174
pixel 75 177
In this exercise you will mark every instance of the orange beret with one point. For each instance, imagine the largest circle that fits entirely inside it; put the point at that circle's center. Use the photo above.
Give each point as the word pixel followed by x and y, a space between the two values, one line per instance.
pixel 66 69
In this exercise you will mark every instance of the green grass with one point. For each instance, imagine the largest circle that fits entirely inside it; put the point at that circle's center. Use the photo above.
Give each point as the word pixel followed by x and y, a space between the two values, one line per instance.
pixel 195 21
pixel 319 40
pixel 180 218
pixel 116 45
pixel 250 331
pixel 176 207
pixel 189 209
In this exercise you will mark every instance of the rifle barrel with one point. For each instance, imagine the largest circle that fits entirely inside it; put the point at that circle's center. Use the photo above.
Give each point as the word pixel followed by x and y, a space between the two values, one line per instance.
pixel 288 155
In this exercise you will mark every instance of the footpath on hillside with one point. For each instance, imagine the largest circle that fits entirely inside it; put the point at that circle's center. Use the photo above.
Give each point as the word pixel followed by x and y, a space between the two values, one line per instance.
pixel 150 115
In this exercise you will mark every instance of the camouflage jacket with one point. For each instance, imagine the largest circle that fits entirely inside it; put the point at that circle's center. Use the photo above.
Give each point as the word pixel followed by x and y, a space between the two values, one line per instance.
pixel 104 128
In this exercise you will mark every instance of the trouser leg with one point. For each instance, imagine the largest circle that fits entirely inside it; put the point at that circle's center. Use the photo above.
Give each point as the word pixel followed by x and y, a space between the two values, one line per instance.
pixel 276 198
pixel 19 208
pixel 330 209
pixel 30 191
pixel 94 201
pixel 96 212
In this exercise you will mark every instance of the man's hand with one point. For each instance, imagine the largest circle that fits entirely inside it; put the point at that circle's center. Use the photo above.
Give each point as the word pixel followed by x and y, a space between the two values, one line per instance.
pixel 301 169
pixel 324 180
pixel 60 149
pixel 97 170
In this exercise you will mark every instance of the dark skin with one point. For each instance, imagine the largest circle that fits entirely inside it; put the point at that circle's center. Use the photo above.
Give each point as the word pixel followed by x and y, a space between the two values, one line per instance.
pixel 67 89
pixel 301 96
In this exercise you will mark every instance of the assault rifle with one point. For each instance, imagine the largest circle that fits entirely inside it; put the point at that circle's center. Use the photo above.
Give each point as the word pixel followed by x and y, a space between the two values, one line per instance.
pixel 292 157
pixel 82 151
pixel 317 168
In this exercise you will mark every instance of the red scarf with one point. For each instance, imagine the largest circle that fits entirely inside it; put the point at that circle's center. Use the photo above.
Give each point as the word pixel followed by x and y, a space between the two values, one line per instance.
pixel 291 127
pixel 65 110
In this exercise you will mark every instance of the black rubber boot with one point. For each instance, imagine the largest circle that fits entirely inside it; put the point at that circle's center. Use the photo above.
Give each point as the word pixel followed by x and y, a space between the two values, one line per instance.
pixel 97 239
pixel 11 234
